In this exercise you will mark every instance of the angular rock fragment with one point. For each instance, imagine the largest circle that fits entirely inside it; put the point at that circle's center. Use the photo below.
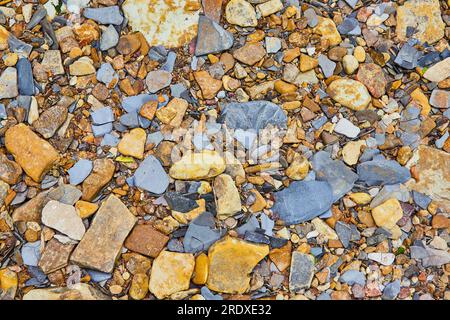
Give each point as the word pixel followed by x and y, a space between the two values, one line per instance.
pixel 101 174
pixel 151 176
pixel 211 38
pixel 64 218
pixel 201 233
pixel 145 240
pixel 79 291
pixel 197 166
pixel 301 272
pixel 55 256
pixel 227 197
pixel 350 93
pixel 381 172
pixel 50 120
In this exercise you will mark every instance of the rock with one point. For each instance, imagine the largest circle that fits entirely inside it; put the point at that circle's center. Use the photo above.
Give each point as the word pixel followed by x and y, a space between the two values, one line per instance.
pixel 327 29
pixel 351 152
pixel 171 273
pixel 173 113
pixel 207 84
pixel 325 230
pixel 433 175
pixel 350 93
pixel 350 64
pixel 52 62
pixel 139 286
pixel 326 65
pixel 302 271
pixel 360 54
pixel 80 171
pixel 440 99
pixel 63 218
pixel 55 256
pixel 35 155
pixel 4 37
pixel 198 166
pixel 273 44
pixel 340 177
pixel 298 169
pixel 307 63
pixel 104 15
pixel 347 233
pixel 103 240
pixel 422 15
pixel 151 176
pixel 10 172
pixel 386 259
pixel 391 290
pixel 303 201
pixel 31 210
pixel 231 260
pixel 241 13
pixel 254 115
pixel 408 56
pixel 211 38
pixel 352 277
pixel 337 53
pixel 133 143
pixel 250 53
pixel 202 233
pixel 437 72
pixel 269 7
pixel 178 27
pixel 85 209
pixel 144 239
pixel 25 77
pixel 201 269
pixel 50 120
pixel 8 284
pixel 106 74
pixel 387 214
pixel 346 128
pixel 82 67
pixel 349 26
pixel 372 76
pixel 430 257
pixel 228 201
pixel 109 38
pixel 31 253
pixel 79 291
pixel 381 172
pixel 102 173
pixel 157 80
pixel 8 84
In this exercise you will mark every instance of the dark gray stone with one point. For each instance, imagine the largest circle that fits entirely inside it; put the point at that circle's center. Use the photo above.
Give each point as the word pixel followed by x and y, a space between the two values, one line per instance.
pixel 202 233
pixel 302 271
pixel 180 203
pixel 38 15
pixel 380 172
pixel 346 233
pixel 25 77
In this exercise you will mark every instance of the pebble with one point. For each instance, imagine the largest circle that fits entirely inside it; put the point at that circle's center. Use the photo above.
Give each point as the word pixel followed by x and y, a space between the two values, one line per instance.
pixel 346 128
pixel 301 272
pixel 8 84
pixel 212 38
pixel 63 218
pixel 386 259
pixel 241 13
pixel 372 76
pixel 151 176
pixel 228 201
pixel 350 93
pixel 350 64
pixel 109 38
pixel 80 171
pixel 102 172
pixel 105 15
pixel 50 121
pixel 157 80
pixel 201 233
pixel 133 143
pixel 380 172
pixel 197 166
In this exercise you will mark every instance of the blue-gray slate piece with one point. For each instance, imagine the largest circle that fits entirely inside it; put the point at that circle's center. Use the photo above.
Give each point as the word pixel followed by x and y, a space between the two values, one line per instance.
pixel 381 171
pixel 80 171
pixel 151 176
pixel 202 233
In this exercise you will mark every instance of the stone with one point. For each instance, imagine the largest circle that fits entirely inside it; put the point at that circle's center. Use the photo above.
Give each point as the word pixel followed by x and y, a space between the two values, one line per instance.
pixel 254 115
pixel 106 74
pixel 387 214
pixel 340 177
pixel 269 7
pixel 150 176
pixel 349 26
pixel 303 201
pixel 198 166
pixel 346 128
pixel 51 120
pixel 8 284
pixel 79 291
pixel 408 56
pixel 241 13
pixel 307 63
pixel 301 272
pixel 324 230
pixel 52 62
pixel 273 44
pixel 102 173
pixel 85 209
pixel 8 84
pixel 440 99
pixel 179 26
pixel 4 37
pixel 372 76
pixel 228 201
pixel 207 84
pixel 350 64
pixel 433 175
pixel 201 269
pixel 104 15
pixel 63 218
pixel 80 171
pixel 35 155
pixel 391 290
pixel 25 80
pixel 352 277
pixel 10 171
pixel 171 273
pixel 327 29
pixel 144 239
pixel 173 112
pixel 231 260
pixel 422 15
pixel 360 54
pixel 381 172
pixel 437 72
pixel 109 38
pixel 202 233
pixel 133 143
pixel 55 256
pixel 350 93
pixel 250 53
pixel 157 80
pixel 82 67
pixel 212 38
pixel 103 241
pixel 298 169
pixel 31 253
pixel 347 233
pixel 386 259
pixel 326 65
pixel 351 152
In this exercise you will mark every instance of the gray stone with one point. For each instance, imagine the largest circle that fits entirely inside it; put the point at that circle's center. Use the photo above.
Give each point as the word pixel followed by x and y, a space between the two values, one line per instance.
pixel 335 172
pixel 311 15
pixel 105 15
pixel 102 116
pixel 151 176
pixel 326 65
pixel 430 257
pixel 202 233
pixel 408 57
pixel 31 254
pixel 80 171
pixel 273 44
pixel 391 290
pixel 395 191
pixel 422 200
pixel 350 26
pixel 109 38
pixel 134 103
pixel 38 15
pixel 157 80
pixel 250 226
pixel 65 193
pixel 440 99
pixel 302 271
pixel 101 130
pixel 18 46
pixel 352 277
pixel 106 73
pixel 346 233
pixel 381 172
pixel 211 37
pixel 170 62
pixel 303 201
pixel 109 140
pixel 208 295
pixel 8 84
pixel 254 115
pixel 25 77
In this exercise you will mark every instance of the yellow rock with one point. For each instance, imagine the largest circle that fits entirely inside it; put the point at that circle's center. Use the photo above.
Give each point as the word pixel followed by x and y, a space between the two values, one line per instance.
pixel 299 168
pixel 139 286
pixel 35 155
pixel 324 229
pixel 8 284
pixel 418 96
pixel 194 213
pixel 307 63
pixel 360 198
pixel 327 29
pixel 4 35
pixel 259 204
pixel 133 143
pixel 352 151
pixel 231 260
pixel 205 187
pixel 201 269
pixel 360 54
pixel 82 67
pixel 281 257
pixel 85 209
pixel 197 166
pixel 387 214
pixel 350 93
pixel 283 87
pixel 173 113
pixel 10 59
pixel 228 201
pixel 171 273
